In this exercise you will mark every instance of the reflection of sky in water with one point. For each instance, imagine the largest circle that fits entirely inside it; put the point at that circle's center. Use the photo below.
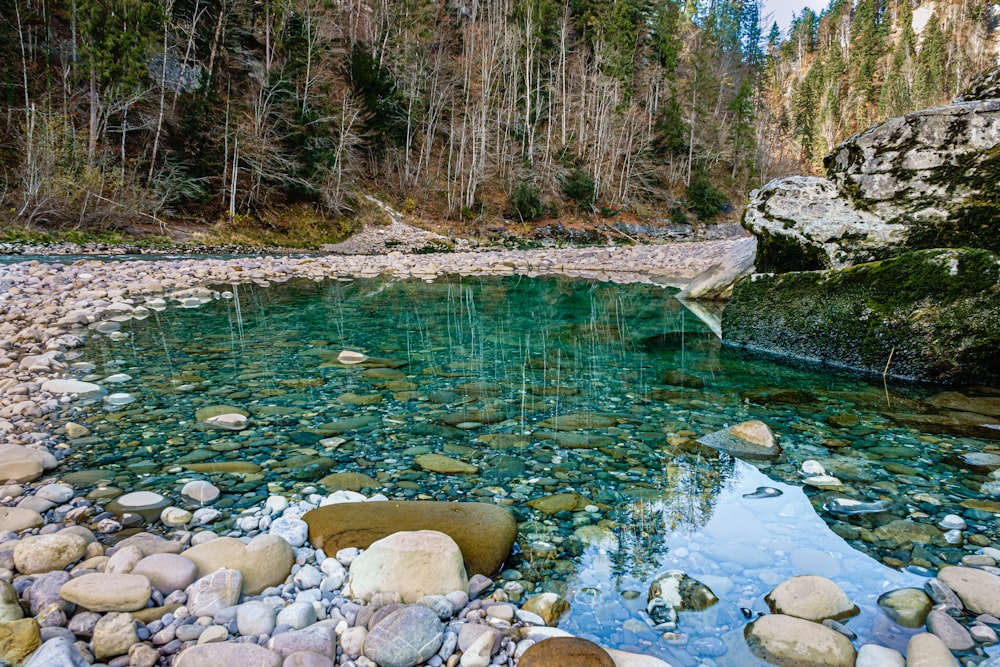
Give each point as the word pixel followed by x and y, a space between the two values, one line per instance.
pixel 746 548
pixel 493 347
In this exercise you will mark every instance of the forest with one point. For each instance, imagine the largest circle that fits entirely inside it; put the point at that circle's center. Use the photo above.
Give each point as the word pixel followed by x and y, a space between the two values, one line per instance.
pixel 256 112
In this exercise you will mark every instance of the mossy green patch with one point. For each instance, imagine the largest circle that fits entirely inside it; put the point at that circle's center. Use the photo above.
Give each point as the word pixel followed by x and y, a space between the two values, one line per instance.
pixel 937 312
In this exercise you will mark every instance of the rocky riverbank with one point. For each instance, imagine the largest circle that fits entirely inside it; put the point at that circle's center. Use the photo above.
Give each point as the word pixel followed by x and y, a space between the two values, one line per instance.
pixel 131 577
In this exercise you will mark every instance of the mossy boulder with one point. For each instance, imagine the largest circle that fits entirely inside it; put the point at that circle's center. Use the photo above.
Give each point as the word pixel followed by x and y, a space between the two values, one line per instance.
pixel 937 312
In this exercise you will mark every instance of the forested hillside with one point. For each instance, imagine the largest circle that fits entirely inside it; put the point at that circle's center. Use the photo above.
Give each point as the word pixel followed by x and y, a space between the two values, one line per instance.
pixel 249 110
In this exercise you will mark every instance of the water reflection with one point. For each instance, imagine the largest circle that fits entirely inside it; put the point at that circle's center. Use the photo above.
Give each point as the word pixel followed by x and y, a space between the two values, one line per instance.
pixel 577 404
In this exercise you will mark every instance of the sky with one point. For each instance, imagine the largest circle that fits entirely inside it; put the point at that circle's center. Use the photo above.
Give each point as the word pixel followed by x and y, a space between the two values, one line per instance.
pixel 782 10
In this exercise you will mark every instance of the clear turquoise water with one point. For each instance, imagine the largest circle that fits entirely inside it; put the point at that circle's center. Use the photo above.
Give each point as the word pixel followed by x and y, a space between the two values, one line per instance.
pixel 463 360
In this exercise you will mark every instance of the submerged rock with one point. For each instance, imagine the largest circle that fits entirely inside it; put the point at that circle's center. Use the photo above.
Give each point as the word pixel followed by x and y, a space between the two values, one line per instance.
pixel 937 312
pixel 485 533
pixel 748 440
pixel 673 592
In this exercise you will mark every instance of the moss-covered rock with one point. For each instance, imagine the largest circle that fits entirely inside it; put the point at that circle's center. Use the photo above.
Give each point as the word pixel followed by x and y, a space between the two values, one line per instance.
pixel 937 312
pixel 935 171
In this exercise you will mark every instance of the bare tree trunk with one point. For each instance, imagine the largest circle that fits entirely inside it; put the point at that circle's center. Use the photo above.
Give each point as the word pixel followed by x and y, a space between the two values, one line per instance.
pixel 92 133
pixel 163 96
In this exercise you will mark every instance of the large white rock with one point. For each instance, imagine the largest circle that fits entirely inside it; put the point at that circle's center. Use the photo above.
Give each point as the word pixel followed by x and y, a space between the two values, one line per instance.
pixel 411 563
pixel 72 387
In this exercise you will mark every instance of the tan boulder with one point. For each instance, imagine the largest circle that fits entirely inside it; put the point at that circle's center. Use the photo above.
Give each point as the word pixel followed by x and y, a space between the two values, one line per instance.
pixel 36 554
pixel 812 598
pixel 787 641
pixel 18 640
pixel 445 465
pixel 561 651
pixel 266 561
pixel 411 563
pixel 485 533
pixel 979 590
pixel 927 650
pixel 747 440
pixel 549 606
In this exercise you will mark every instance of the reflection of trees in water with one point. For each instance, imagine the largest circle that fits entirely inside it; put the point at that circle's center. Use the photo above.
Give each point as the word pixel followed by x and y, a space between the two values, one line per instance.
pixel 682 501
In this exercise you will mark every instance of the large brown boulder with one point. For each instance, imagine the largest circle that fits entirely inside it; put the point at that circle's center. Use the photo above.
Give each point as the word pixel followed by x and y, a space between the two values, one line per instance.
pixel 485 533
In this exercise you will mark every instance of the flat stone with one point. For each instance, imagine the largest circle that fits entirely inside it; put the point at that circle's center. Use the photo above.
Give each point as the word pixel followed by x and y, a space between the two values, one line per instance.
pixel 228 653
pixel 10 606
pixel 559 651
pixel 108 592
pixel 225 467
pixel 146 504
pixel 410 563
pixel 266 561
pixel 210 411
pixel 979 590
pixel 579 420
pixel 559 502
pixel 485 533
pixel 445 465
pixel 787 641
pixel 84 389
pixel 351 481
pixel 150 544
pixel 405 638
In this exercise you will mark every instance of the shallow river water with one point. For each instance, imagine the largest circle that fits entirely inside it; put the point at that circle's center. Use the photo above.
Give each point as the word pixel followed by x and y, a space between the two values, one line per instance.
pixel 543 387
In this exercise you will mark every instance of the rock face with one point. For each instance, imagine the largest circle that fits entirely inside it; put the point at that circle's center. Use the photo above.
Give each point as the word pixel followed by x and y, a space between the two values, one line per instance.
pixel 904 226
pixel 920 181
pixel 802 223
pixel 485 533
pixel 936 311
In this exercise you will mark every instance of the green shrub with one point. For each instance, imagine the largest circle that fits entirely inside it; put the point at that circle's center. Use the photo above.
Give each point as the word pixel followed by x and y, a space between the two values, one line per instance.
pixel 526 201
pixel 579 187
pixel 703 198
